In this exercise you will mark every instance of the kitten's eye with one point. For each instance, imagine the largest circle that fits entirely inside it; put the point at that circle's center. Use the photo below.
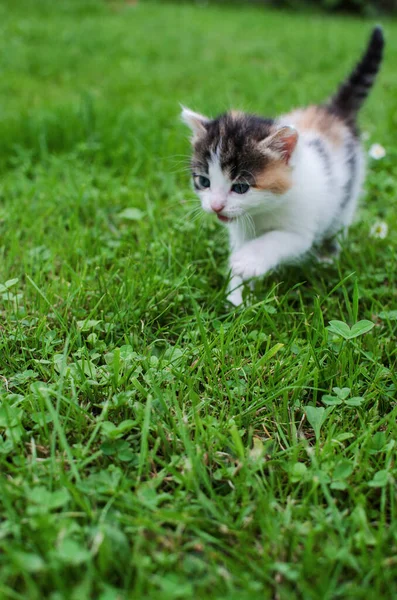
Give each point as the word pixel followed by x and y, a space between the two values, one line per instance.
pixel 204 181
pixel 201 182
pixel 240 188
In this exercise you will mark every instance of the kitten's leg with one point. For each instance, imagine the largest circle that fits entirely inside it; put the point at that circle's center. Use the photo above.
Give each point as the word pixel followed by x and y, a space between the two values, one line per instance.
pixel 268 251
pixel 235 292
pixel 329 251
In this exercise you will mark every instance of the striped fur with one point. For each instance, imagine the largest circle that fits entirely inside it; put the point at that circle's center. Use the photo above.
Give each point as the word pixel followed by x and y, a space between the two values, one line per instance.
pixel 349 98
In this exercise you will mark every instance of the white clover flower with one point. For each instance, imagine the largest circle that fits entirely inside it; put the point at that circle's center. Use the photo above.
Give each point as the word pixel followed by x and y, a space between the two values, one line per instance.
pixel 379 230
pixel 377 151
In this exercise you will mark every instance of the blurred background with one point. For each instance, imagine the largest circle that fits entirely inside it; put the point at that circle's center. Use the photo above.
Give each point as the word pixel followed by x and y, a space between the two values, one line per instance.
pixel 363 7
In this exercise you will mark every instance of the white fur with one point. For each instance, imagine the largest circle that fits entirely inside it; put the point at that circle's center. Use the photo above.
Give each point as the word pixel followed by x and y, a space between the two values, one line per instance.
pixel 195 121
pixel 267 229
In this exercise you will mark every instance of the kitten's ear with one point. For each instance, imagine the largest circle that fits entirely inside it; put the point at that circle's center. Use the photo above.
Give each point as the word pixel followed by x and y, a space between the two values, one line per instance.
pixel 196 122
pixel 281 143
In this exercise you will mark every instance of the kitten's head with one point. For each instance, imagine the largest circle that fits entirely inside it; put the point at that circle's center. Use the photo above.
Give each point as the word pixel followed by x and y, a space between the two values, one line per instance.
pixel 240 162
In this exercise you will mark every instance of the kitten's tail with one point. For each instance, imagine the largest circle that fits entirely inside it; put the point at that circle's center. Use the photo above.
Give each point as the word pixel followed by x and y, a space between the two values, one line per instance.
pixel 348 100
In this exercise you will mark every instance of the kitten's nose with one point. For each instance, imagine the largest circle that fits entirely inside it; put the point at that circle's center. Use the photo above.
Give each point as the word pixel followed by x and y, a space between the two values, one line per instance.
pixel 217 206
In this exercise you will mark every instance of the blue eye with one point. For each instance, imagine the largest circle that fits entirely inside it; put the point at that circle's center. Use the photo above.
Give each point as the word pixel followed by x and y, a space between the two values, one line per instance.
pixel 204 182
pixel 240 188
pixel 201 182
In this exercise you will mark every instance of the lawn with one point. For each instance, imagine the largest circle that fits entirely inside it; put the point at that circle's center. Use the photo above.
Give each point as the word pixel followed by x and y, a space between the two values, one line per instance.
pixel 155 442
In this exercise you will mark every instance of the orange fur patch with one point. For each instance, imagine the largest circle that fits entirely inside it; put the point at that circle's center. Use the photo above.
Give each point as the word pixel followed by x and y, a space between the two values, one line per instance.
pixel 320 120
pixel 275 178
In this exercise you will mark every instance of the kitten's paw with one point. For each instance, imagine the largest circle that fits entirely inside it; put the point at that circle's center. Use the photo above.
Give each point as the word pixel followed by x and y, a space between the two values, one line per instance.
pixel 329 252
pixel 325 260
pixel 235 297
pixel 244 263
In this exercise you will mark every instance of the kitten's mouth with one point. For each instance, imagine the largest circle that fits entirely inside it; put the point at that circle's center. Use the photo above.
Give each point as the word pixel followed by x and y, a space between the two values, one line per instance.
pixel 225 219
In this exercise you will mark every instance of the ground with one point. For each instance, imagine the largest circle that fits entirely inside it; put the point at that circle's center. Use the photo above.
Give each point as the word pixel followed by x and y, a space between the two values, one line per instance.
pixel 156 443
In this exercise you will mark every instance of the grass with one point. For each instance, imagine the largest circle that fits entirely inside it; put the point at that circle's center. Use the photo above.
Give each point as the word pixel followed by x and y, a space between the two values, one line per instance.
pixel 154 442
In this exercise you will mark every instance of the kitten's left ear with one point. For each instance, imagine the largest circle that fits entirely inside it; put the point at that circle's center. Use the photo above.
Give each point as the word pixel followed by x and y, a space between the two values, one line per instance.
pixel 282 143
pixel 196 122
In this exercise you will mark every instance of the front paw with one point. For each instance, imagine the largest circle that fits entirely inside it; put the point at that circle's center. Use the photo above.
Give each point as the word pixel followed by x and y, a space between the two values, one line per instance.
pixel 235 297
pixel 246 263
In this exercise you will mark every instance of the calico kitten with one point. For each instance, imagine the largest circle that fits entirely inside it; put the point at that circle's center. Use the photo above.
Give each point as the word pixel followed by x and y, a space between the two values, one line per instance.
pixel 282 186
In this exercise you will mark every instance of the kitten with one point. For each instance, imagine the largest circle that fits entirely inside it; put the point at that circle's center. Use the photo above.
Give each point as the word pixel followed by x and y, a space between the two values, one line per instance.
pixel 283 186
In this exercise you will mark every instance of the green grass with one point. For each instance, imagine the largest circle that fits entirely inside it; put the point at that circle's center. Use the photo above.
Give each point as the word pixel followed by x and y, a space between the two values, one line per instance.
pixel 154 442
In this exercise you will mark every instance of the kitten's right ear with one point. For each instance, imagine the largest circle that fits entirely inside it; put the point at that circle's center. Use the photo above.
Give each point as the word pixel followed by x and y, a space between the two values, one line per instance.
pixel 196 122
pixel 282 143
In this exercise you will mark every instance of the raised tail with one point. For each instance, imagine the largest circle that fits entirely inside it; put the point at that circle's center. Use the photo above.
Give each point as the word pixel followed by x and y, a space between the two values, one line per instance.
pixel 351 94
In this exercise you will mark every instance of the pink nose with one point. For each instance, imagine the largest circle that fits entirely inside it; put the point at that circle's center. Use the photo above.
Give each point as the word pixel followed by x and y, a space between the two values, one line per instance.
pixel 217 207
